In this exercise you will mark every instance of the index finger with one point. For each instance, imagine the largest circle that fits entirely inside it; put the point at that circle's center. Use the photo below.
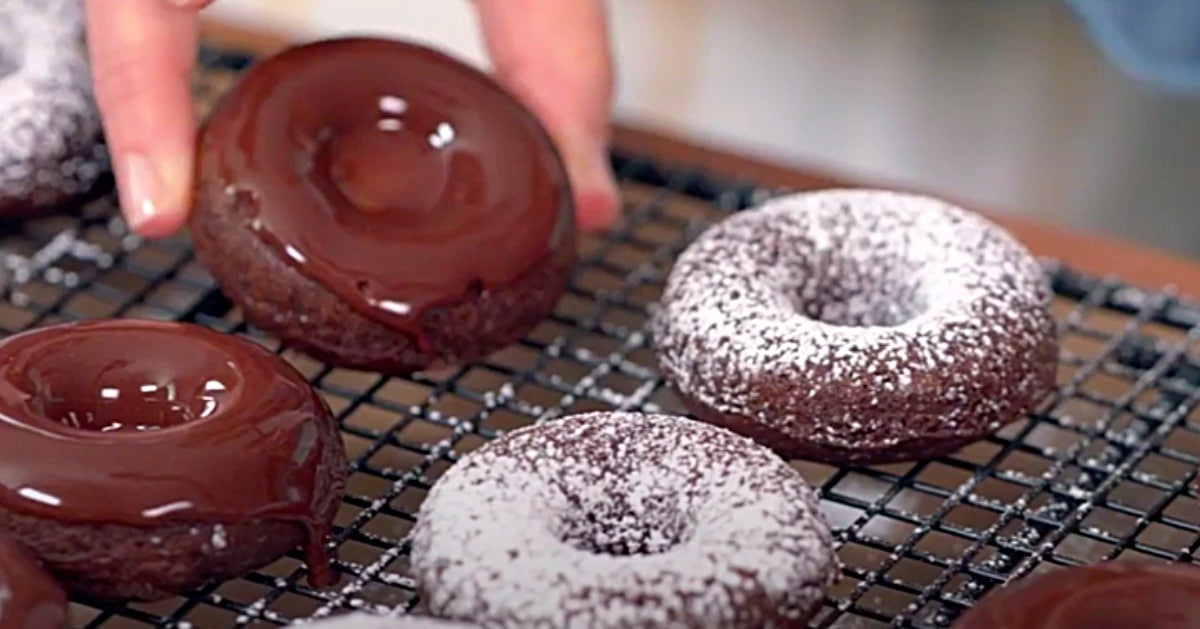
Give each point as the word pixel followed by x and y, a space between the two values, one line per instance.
pixel 142 52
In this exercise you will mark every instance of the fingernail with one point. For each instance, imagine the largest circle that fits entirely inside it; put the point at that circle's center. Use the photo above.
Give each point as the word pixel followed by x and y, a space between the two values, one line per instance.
pixel 595 187
pixel 141 191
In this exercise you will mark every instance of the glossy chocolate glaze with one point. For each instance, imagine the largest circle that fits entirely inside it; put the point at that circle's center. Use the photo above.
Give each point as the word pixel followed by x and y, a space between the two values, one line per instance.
pixel 391 174
pixel 1114 595
pixel 143 422
pixel 29 598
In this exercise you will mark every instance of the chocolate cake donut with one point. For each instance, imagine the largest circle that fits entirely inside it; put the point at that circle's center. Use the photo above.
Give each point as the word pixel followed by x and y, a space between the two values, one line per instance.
pixel 1152 596
pixel 51 152
pixel 621 519
pixel 382 206
pixel 193 457
pixel 360 620
pixel 857 326
pixel 29 598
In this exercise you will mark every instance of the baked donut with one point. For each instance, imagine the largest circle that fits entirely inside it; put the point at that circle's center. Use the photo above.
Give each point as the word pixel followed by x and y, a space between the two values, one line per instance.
pixel 51 151
pixel 622 519
pixel 194 457
pixel 382 206
pixel 29 598
pixel 361 620
pixel 1134 594
pixel 857 326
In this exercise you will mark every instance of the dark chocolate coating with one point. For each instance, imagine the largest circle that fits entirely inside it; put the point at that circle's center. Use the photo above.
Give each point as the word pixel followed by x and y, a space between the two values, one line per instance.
pixel 195 456
pixel 1106 596
pixel 382 206
pixel 29 598
pixel 274 296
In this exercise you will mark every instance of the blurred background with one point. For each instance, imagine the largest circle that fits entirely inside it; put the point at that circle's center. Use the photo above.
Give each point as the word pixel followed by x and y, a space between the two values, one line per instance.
pixel 1004 103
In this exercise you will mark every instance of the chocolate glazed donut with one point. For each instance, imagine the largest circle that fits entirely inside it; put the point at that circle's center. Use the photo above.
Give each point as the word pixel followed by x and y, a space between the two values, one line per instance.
pixel 29 598
pixel 140 459
pixel 382 206
pixel 1124 594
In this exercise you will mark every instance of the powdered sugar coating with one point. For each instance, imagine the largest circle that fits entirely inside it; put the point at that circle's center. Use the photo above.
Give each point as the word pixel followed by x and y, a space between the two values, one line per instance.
pixel 622 519
pixel 49 126
pixel 857 325
pixel 361 620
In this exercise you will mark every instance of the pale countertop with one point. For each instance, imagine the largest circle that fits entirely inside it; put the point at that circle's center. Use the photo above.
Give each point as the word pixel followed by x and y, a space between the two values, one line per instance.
pixel 1004 102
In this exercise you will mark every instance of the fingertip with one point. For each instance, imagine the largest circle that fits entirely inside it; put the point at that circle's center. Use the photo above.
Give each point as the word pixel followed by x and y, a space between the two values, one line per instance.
pixel 191 5
pixel 154 193
pixel 595 189
pixel 159 225
pixel 596 208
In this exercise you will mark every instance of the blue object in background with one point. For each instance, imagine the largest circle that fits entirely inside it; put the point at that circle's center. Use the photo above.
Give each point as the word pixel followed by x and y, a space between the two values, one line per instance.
pixel 1152 40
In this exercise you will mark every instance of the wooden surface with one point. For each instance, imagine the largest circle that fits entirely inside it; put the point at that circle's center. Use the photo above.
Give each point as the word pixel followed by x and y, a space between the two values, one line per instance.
pixel 1093 254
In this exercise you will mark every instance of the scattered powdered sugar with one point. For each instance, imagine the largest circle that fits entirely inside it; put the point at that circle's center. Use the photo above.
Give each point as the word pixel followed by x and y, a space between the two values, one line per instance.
pixel 622 519
pixel 864 306
pixel 361 620
pixel 50 128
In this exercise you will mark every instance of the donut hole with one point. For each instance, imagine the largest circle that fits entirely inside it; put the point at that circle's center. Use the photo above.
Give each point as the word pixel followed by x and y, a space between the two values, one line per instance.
pixel 147 388
pixel 354 156
pixel 851 288
pixel 884 305
pixel 129 409
pixel 612 525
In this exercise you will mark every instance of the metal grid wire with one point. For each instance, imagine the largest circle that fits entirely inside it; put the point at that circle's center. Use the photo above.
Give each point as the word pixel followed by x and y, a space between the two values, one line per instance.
pixel 1105 469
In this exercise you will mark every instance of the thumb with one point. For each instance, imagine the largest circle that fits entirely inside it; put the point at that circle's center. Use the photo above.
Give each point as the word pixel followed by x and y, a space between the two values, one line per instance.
pixel 142 53
pixel 555 57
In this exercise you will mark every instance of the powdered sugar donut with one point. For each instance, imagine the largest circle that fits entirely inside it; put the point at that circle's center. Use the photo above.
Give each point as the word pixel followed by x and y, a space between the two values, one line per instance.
pixel 857 326
pixel 620 519
pixel 50 148
pixel 361 620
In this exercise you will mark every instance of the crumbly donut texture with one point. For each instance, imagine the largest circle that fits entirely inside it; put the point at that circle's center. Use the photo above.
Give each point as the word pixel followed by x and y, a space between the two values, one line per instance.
pixel 857 326
pixel 622 519
pixel 50 133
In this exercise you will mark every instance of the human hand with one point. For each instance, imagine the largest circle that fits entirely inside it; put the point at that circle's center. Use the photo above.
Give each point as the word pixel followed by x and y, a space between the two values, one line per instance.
pixel 554 56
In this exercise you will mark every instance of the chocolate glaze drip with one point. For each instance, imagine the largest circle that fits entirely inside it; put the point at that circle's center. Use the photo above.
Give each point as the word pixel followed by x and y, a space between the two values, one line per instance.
pixel 141 423
pixel 391 174
pixel 1113 595
pixel 29 598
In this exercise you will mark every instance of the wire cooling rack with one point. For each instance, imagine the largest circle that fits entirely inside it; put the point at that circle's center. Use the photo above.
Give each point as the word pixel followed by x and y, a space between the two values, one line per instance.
pixel 1103 470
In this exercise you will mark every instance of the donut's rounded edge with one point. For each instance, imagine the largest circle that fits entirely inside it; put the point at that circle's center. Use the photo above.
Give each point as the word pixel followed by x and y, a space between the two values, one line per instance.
pixel 280 299
pixel 805 600
pixel 108 562
pixel 1033 377
pixel 277 298
pixel 111 562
